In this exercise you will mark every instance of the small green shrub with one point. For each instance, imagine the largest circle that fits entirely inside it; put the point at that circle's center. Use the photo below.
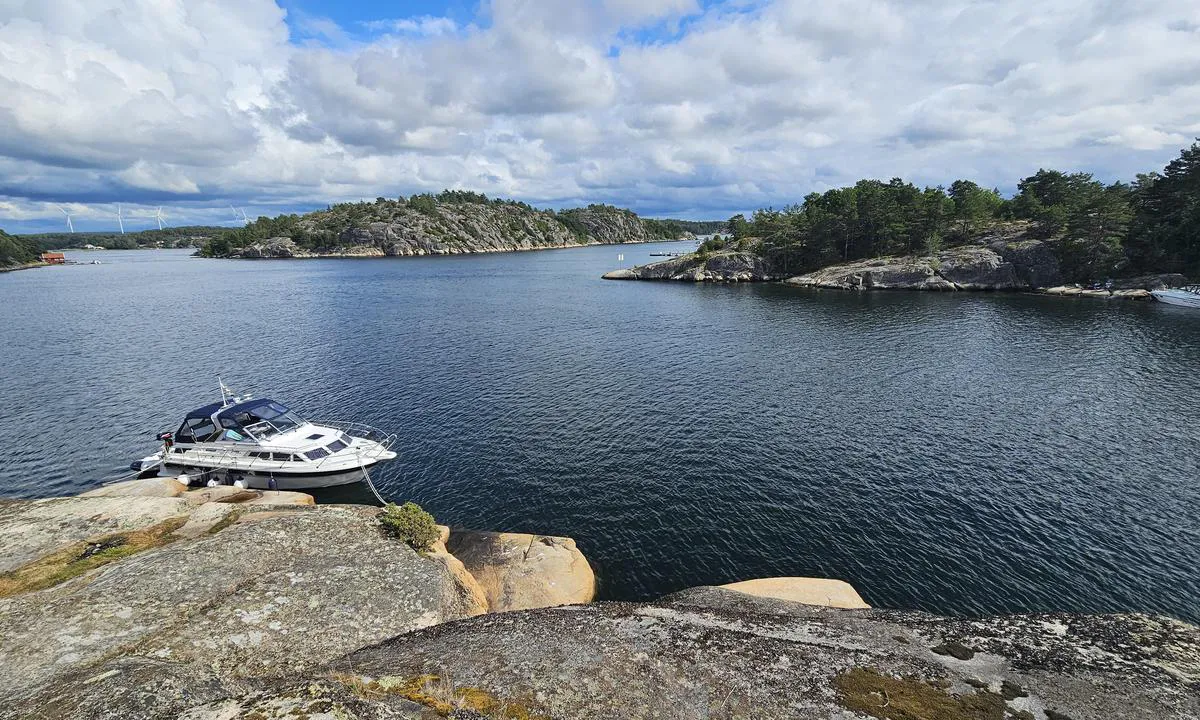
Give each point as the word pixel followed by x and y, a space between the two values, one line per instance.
pixel 408 522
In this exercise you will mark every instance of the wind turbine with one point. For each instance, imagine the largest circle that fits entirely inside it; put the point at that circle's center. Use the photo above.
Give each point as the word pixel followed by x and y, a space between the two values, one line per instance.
pixel 239 214
pixel 120 220
pixel 64 212
pixel 159 217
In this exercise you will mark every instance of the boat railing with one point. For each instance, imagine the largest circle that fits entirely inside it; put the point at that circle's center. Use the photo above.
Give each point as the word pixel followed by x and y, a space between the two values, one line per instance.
pixel 361 430
pixel 239 459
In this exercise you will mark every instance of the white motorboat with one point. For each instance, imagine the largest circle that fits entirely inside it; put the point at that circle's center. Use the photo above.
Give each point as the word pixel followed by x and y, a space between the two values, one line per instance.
pixel 1186 296
pixel 260 443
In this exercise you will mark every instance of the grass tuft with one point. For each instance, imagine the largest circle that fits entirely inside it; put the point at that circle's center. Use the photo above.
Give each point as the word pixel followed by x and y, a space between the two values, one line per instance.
pixel 79 558
pixel 440 695
pixel 867 691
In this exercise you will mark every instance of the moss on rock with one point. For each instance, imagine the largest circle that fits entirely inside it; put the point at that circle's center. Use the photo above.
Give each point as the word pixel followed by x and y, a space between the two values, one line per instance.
pixel 867 691
pixel 79 558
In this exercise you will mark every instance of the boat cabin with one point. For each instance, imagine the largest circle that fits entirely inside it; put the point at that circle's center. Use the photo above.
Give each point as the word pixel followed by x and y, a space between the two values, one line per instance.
pixel 247 421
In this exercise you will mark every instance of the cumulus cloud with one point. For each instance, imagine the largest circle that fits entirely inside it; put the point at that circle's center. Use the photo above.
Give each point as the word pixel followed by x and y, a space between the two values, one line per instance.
pixel 668 106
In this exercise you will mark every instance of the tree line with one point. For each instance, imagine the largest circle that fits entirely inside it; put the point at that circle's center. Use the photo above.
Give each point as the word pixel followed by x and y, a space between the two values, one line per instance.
pixel 17 250
pixel 1099 230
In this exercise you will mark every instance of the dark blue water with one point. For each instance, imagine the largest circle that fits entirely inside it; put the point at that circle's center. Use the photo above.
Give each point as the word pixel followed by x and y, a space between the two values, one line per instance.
pixel 966 453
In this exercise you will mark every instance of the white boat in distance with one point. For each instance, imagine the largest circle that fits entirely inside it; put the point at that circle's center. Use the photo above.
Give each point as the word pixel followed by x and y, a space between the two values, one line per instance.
pixel 1187 296
pixel 260 443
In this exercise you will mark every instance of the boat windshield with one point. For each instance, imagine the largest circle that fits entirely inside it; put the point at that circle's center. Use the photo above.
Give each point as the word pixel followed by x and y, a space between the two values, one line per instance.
pixel 260 419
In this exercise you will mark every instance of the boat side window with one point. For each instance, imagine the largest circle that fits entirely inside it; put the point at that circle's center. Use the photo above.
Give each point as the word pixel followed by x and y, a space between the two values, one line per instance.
pixel 282 457
pixel 184 433
pixel 196 430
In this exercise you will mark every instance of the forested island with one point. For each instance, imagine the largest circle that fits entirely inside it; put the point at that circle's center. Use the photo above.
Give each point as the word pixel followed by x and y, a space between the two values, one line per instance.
pixel 448 223
pixel 1057 228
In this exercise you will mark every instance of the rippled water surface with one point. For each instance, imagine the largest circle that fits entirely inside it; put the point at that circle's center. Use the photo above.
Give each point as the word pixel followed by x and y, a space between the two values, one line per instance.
pixel 967 453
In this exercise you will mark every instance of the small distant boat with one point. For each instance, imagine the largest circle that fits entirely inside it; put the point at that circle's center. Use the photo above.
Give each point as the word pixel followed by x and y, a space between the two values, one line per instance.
pixel 1186 296
pixel 260 443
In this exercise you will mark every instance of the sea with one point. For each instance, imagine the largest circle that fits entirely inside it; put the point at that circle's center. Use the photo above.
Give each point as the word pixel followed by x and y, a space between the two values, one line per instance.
pixel 960 453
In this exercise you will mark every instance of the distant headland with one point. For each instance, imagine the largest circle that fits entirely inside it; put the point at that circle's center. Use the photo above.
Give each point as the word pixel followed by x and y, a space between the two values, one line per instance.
pixel 448 223
pixel 1063 233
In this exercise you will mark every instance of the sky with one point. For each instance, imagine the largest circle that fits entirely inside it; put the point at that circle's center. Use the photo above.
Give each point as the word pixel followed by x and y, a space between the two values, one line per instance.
pixel 674 108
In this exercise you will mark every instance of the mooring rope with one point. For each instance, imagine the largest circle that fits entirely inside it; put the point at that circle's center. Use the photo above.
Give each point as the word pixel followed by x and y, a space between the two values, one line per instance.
pixel 367 478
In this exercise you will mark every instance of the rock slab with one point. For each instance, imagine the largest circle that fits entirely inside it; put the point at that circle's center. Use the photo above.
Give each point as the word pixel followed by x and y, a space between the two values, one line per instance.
pixel 284 594
pixel 518 571
pixel 703 653
pixel 809 591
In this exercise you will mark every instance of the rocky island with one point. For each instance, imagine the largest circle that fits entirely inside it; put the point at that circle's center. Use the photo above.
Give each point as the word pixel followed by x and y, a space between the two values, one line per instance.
pixel 1061 233
pixel 147 600
pixel 449 223
pixel 1010 258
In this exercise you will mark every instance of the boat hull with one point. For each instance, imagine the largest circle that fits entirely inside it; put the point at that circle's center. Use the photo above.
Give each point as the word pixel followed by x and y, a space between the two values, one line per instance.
pixel 262 481
pixel 1181 298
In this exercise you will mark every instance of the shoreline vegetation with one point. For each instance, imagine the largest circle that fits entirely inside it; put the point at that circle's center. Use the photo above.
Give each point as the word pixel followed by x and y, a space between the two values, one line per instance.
pixel 1059 233
pixel 18 253
pixel 184 236
pixel 449 223
pixel 141 599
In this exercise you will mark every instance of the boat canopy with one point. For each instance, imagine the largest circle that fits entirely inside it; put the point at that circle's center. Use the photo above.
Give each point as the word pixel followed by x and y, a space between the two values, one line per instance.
pixel 204 412
pixel 246 420
pixel 250 412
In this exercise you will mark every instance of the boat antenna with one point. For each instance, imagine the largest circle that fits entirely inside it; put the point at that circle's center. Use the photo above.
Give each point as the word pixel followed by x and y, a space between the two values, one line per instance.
pixel 225 392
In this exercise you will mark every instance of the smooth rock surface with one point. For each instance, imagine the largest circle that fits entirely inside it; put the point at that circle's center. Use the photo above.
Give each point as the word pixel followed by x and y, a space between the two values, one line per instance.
pixel 968 267
pixel 903 273
pixel 166 487
pixel 703 653
pixel 272 597
pixel 712 653
pixel 518 571
pixel 32 529
pixel 281 497
pixel 810 591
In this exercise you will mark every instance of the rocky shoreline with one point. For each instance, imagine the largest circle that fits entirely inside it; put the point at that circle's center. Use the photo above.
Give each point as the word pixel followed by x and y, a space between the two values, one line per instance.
pixel 23 266
pixel 286 248
pixel 1016 264
pixel 148 600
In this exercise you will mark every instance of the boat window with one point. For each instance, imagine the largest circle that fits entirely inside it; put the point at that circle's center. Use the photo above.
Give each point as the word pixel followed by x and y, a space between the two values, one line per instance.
pixel 316 454
pixel 336 446
pixel 196 430
pixel 282 457
pixel 262 418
